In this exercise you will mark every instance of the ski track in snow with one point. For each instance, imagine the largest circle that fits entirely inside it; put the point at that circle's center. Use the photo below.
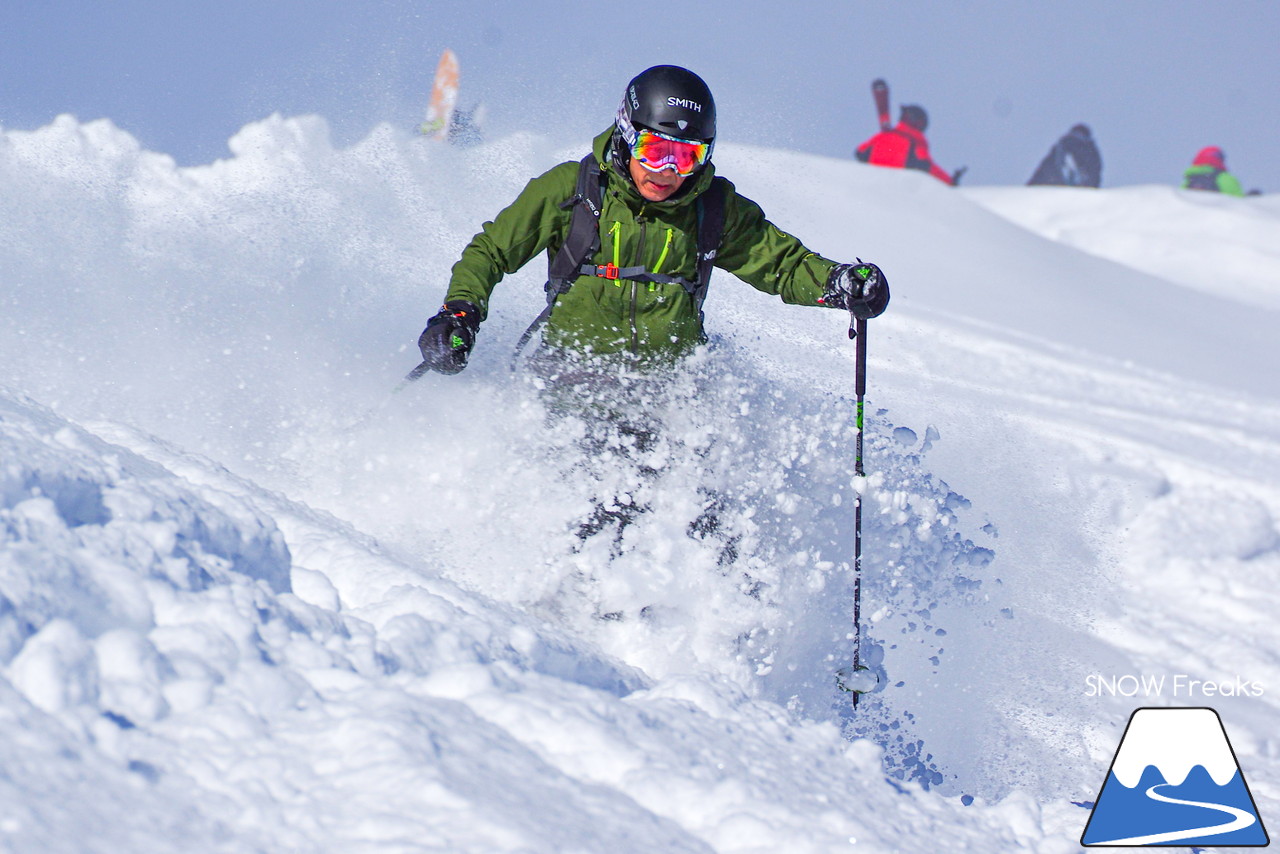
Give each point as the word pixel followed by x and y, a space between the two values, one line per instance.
pixel 249 601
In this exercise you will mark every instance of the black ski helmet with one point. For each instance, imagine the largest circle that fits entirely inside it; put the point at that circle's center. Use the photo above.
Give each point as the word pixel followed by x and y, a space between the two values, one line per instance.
pixel 667 99
pixel 915 116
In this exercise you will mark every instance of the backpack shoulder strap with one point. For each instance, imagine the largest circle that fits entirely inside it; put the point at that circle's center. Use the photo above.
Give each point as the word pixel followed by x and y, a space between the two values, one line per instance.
pixel 583 238
pixel 710 231
pixel 580 242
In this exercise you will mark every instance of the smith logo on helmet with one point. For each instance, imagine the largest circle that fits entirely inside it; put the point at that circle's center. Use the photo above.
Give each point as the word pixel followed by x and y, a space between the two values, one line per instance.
pixel 684 102
pixel 635 102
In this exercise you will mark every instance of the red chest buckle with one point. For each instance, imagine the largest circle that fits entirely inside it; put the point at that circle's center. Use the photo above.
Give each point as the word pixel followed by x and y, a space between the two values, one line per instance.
pixel 607 271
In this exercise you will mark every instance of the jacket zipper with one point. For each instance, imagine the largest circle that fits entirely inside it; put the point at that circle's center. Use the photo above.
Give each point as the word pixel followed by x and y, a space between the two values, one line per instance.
pixel 614 231
pixel 666 248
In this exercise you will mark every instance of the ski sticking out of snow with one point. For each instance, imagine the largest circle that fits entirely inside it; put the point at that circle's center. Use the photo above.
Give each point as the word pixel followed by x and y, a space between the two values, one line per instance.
pixel 444 96
pixel 880 90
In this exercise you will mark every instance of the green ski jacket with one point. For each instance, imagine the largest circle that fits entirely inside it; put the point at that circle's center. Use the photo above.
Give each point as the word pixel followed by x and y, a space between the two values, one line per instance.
pixel 651 321
pixel 1205 176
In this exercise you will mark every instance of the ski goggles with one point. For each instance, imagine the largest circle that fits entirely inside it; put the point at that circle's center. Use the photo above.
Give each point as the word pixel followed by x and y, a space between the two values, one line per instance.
pixel 656 151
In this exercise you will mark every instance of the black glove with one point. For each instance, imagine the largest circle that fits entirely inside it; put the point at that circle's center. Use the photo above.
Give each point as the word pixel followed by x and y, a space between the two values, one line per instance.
pixel 955 176
pixel 859 288
pixel 447 341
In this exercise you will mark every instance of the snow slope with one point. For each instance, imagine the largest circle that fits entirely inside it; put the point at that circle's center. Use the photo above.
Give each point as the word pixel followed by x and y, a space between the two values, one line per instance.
pixel 1204 241
pixel 252 600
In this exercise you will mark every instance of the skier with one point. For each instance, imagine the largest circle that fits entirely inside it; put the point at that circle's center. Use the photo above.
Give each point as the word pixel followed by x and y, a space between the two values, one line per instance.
pixel 1209 172
pixel 1074 161
pixel 465 127
pixel 632 232
pixel 905 147
pixel 634 298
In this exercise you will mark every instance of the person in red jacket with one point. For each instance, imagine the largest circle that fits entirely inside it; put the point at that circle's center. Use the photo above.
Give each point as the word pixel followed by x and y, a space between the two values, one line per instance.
pixel 905 147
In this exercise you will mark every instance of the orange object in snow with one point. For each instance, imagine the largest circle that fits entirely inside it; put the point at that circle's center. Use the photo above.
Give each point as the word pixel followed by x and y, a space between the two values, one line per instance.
pixel 444 96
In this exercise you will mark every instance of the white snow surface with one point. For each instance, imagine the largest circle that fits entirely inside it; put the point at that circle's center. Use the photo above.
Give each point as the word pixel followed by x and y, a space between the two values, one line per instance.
pixel 251 600
pixel 1206 241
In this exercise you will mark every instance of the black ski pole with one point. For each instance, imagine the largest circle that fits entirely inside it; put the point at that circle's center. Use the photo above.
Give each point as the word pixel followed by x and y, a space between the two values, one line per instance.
pixel 859 331
pixel 854 678
pixel 411 377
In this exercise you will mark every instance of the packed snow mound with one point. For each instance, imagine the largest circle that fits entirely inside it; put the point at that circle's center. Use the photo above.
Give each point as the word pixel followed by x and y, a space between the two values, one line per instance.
pixel 250 593
pixel 1219 245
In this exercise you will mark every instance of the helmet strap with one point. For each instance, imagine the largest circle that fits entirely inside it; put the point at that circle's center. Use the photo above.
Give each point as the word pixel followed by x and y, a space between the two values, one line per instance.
pixel 620 154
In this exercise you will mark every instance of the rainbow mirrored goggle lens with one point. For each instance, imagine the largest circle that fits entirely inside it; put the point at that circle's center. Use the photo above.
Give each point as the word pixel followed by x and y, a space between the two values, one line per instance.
pixel 656 151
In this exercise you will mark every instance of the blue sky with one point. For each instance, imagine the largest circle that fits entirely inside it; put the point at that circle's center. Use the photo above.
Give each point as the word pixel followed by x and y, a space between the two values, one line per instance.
pixel 1001 80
